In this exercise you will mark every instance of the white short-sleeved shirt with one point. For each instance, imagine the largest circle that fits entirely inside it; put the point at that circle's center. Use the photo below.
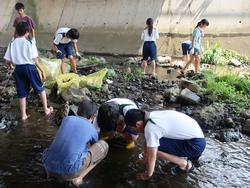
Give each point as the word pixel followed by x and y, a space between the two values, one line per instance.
pixel 153 37
pixel 60 36
pixel 21 51
pixel 128 105
pixel 170 124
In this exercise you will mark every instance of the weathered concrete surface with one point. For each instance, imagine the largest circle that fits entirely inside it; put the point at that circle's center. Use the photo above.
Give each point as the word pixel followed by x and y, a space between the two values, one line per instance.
pixel 111 26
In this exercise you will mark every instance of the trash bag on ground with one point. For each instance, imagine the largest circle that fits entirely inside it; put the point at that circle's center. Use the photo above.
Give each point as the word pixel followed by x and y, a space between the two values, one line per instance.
pixel 65 81
pixel 52 68
pixel 94 80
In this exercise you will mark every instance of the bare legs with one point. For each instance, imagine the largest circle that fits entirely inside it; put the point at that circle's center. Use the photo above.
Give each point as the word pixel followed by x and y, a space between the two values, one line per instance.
pixel 193 59
pixel 182 163
pixel 22 105
pixel 185 58
pixel 72 63
pixel 43 98
pixel 98 152
pixel 144 66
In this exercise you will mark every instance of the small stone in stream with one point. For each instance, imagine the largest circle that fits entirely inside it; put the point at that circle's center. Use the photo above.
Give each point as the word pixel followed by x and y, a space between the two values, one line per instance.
pixel 228 135
pixel 234 62
pixel 158 98
pixel 188 96
pixel 246 127
pixel 73 110
pixel 164 59
pixel 190 85
pixel 105 88
pixel 132 60
pixel 229 123
pixel 224 154
pixel 246 114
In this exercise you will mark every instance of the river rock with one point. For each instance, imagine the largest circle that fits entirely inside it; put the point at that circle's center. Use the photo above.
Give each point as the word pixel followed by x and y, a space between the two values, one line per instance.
pixel 246 127
pixel 229 123
pixel 73 110
pixel 234 62
pixel 188 96
pixel 164 59
pixel 190 85
pixel 246 114
pixel 132 60
pixel 228 135
pixel 76 95
pixel 210 117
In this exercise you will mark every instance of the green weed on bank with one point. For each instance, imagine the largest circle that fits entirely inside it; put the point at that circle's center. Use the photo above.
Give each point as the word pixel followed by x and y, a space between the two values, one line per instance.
pixel 227 87
pixel 218 56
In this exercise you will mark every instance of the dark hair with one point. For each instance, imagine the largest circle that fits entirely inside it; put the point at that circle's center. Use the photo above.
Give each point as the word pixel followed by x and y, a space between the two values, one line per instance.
pixel 202 22
pixel 134 115
pixel 86 109
pixel 22 28
pixel 73 34
pixel 107 117
pixel 19 6
pixel 150 23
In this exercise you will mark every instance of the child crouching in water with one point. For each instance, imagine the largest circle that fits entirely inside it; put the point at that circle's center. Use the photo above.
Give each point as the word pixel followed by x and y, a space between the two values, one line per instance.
pixel 149 36
pixel 23 54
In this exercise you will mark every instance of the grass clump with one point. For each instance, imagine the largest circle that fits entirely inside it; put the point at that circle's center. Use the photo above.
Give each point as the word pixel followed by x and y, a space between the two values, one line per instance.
pixel 227 87
pixel 132 75
pixel 218 56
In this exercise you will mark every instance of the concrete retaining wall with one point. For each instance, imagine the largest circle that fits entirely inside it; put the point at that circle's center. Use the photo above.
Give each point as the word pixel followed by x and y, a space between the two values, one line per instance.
pixel 114 26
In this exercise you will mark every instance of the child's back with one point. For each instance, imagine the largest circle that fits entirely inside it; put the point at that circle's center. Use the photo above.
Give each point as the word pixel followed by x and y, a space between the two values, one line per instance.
pixel 21 51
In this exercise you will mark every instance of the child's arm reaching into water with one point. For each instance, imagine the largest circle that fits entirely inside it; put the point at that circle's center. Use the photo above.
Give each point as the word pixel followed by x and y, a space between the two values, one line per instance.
pixel 39 66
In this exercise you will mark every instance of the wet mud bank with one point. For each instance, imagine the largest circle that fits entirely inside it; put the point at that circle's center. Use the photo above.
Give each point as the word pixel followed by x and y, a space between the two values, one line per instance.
pixel 225 162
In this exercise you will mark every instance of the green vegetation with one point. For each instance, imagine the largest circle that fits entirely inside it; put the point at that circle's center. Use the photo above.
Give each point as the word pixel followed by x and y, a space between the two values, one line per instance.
pixel 227 87
pixel 216 55
pixel 93 60
pixel 128 76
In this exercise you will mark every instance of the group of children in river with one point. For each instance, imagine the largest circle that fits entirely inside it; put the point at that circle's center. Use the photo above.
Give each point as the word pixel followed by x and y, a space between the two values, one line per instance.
pixel 77 148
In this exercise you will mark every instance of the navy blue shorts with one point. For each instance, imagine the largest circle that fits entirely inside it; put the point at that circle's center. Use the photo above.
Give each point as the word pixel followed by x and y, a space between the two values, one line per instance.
pixel 149 50
pixel 186 47
pixel 192 149
pixel 66 49
pixel 26 76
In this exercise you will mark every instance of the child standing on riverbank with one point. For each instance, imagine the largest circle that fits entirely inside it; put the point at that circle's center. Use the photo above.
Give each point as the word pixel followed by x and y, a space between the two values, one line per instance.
pixel 23 54
pixel 149 36
pixel 64 42
pixel 22 17
pixel 195 51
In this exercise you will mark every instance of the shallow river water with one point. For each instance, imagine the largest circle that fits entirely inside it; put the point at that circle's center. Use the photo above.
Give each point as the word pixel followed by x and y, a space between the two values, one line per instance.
pixel 222 165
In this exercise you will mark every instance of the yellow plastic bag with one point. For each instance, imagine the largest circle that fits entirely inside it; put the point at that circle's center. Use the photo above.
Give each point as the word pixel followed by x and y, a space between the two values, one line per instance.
pixel 65 81
pixel 52 69
pixel 93 80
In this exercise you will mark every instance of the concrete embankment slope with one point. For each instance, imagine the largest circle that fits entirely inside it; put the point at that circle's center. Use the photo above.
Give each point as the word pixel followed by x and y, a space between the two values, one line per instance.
pixel 114 26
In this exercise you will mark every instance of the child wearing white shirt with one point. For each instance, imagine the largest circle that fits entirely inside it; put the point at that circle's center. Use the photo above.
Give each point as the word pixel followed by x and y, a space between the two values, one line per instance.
pixel 149 36
pixel 23 54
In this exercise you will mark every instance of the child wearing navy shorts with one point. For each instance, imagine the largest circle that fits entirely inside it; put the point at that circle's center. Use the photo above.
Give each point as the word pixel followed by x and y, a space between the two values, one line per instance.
pixel 149 36
pixel 186 46
pixel 64 41
pixel 23 54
